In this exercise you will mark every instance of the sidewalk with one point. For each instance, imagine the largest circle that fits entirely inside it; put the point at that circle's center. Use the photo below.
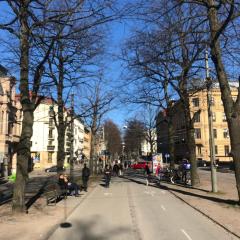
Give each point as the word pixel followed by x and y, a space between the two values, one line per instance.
pixel 221 207
pixel 41 219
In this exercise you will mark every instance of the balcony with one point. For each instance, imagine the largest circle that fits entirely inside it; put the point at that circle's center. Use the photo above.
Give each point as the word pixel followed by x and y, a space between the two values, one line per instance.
pixel 50 148
pixel 51 125
pixel 51 136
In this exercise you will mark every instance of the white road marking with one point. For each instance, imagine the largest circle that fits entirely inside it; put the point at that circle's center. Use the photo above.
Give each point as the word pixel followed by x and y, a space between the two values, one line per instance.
pixel 184 232
pixel 107 194
pixel 163 208
pixel 163 192
pixel 150 193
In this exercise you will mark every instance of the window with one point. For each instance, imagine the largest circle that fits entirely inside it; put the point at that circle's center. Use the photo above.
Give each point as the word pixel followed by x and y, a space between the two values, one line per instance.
pixel 214 117
pixel 225 133
pixel 224 117
pixel 215 133
pixel 212 101
pixel 195 102
pixel 197 117
pixel 226 150
pixel 50 157
pixel 50 133
pixel 197 133
pixel 51 122
pixel 216 149
pixel 199 150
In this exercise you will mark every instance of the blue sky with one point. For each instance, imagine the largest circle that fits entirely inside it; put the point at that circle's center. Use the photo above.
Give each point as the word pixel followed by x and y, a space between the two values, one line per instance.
pixel 119 31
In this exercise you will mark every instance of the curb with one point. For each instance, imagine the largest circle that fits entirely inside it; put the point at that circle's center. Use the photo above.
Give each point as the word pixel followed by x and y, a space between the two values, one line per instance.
pixel 195 208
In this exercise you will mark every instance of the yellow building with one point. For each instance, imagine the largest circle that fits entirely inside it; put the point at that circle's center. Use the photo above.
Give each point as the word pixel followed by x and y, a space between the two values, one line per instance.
pixel 198 105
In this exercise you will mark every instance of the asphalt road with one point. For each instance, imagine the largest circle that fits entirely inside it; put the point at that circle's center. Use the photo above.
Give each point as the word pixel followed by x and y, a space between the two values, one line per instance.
pixel 132 211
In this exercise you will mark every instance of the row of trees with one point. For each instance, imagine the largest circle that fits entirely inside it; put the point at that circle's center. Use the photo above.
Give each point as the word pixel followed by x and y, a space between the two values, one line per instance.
pixel 54 47
pixel 165 58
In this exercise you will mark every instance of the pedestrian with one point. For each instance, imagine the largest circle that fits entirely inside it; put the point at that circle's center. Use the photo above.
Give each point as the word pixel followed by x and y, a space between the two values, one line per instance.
pixel 125 165
pixel 65 184
pixel 85 176
pixel 148 173
pixel 115 169
pixel 107 174
pixel 120 169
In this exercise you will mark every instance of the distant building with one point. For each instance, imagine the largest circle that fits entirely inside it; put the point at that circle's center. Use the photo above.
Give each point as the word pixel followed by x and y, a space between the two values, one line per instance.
pixel 44 138
pixel 198 105
pixel 146 147
pixel 86 144
pixel 10 127
pixel 78 143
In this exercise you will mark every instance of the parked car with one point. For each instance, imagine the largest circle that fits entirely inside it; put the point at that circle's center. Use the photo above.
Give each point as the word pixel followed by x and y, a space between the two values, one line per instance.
pixel 201 163
pixel 53 169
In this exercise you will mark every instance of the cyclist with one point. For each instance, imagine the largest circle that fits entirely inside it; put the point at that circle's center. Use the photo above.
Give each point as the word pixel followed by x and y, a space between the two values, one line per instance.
pixel 186 166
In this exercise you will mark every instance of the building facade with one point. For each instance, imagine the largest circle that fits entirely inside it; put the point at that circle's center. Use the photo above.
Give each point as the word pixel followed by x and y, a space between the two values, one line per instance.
pixel 44 138
pixel 10 122
pixel 198 105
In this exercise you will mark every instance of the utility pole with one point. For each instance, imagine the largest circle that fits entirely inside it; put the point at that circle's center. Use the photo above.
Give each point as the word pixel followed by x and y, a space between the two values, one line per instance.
pixel 72 137
pixel 210 126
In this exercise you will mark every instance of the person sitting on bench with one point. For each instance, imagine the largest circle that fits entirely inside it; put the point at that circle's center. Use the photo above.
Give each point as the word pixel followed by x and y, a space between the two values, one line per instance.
pixel 64 183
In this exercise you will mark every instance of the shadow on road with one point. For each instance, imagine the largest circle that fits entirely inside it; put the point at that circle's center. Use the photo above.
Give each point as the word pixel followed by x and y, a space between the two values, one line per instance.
pixel 172 189
pixel 86 230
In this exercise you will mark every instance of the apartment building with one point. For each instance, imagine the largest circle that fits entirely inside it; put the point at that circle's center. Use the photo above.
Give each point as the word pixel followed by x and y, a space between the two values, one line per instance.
pixel 78 144
pixel 146 146
pixel 198 105
pixel 86 144
pixel 44 138
pixel 10 119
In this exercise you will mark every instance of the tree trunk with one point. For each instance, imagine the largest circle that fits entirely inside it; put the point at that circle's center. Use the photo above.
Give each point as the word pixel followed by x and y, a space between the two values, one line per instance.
pixel 171 142
pixel 92 152
pixel 191 145
pixel 23 149
pixel 61 123
pixel 232 110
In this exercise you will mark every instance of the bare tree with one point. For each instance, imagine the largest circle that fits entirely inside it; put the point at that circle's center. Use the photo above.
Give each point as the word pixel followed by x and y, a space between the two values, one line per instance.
pixel 29 22
pixel 223 18
pixel 112 137
pixel 96 103
pixel 134 135
pixel 165 60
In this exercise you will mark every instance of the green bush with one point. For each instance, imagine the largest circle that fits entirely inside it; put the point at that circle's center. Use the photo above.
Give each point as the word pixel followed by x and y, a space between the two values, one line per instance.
pixel 12 177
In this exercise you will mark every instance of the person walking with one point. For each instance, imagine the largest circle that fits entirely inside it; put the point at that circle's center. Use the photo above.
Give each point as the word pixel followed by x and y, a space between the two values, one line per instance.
pixel 85 177
pixel 115 169
pixel 107 174
pixel 148 173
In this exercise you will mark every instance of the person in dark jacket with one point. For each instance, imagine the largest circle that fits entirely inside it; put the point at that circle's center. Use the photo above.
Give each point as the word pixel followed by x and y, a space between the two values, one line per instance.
pixel 148 173
pixel 65 184
pixel 115 169
pixel 107 173
pixel 85 176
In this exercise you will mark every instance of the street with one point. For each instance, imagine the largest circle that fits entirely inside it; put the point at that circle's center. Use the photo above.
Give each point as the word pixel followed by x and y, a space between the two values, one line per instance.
pixel 130 210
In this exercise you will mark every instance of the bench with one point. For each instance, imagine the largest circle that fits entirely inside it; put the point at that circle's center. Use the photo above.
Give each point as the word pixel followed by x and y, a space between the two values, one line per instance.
pixel 53 192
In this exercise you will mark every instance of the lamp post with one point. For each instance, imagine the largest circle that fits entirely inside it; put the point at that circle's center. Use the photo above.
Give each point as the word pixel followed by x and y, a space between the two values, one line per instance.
pixel 210 126
pixel 72 137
